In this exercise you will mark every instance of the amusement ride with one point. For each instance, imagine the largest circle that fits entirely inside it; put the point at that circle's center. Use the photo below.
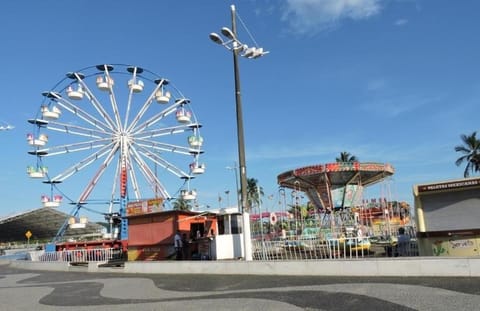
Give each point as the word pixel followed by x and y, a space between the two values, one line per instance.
pixel 336 191
pixel 113 134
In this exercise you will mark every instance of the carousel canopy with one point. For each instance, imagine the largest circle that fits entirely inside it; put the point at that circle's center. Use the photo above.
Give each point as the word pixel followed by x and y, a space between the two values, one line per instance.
pixel 317 181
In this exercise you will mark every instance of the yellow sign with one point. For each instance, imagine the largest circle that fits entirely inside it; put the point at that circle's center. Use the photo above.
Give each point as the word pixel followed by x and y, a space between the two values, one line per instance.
pixel 28 234
pixel 144 207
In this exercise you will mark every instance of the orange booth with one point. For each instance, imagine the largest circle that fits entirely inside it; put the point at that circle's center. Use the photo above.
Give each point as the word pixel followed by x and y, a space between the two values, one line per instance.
pixel 151 234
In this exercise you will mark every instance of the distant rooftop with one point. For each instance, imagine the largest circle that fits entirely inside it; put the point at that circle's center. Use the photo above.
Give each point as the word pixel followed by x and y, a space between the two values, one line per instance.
pixel 44 224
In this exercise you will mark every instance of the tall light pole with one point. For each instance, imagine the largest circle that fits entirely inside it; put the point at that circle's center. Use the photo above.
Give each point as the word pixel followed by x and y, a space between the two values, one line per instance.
pixel 235 168
pixel 238 48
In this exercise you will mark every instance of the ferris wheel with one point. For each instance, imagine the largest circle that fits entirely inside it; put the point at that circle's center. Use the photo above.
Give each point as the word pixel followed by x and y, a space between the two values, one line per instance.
pixel 115 134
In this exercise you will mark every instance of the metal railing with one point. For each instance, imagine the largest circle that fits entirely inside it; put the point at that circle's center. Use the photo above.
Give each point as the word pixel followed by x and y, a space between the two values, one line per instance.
pixel 332 248
pixel 78 255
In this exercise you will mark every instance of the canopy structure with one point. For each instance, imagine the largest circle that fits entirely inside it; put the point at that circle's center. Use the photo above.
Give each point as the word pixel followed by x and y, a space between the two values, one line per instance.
pixel 319 181
pixel 43 224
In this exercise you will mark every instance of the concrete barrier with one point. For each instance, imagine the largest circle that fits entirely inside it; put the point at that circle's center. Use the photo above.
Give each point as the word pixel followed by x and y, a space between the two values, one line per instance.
pixel 415 266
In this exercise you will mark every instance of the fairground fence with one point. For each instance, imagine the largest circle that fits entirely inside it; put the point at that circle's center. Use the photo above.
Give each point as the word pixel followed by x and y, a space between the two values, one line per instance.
pixel 335 248
pixel 299 249
pixel 77 255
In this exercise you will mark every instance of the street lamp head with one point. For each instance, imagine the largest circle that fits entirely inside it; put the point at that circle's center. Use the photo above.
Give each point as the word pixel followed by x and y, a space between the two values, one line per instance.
pixel 216 38
pixel 259 52
pixel 249 52
pixel 254 52
pixel 228 33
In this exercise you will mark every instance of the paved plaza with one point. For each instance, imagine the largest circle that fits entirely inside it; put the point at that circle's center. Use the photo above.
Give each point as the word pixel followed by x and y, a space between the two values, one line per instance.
pixel 47 290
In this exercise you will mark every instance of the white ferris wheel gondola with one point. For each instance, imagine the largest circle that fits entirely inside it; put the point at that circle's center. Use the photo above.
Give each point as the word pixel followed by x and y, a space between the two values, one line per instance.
pixel 188 195
pixel 196 168
pixel 40 141
pixel 183 115
pixel 49 201
pixel 162 96
pixel 50 113
pixel 76 94
pixel 37 172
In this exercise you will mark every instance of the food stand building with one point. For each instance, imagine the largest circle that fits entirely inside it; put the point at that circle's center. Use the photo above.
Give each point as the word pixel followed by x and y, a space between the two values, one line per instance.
pixel 447 215
pixel 210 235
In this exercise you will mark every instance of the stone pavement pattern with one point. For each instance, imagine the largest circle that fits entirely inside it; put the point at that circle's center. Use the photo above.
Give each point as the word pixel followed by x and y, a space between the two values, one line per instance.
pixel 47 290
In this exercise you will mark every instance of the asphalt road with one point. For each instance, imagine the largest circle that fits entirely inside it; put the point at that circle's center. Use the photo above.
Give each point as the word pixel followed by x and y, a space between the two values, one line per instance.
pixel 47 290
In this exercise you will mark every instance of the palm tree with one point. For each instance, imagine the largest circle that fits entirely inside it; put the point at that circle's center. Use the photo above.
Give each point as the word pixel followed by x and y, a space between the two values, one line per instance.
pixel 299 212
pixel 180 204
pixel 471 153
pixel 254 193
pixel 346 157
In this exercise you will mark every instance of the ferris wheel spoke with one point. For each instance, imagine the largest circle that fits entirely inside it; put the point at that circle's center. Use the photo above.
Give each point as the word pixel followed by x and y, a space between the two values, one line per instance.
pixel 113 102
pixel 75 147
pixel 145 107
pixel 79 112
pixel 159 146
pixel 159 116
pixel 133 178
pixel 94 101
pixel 116 178
pixel 98 107
pixel 154 157
pixel 76 130
pixel 166 131
pixel 150 176
pixel 84 163
pixel 133 80
pixel 101 170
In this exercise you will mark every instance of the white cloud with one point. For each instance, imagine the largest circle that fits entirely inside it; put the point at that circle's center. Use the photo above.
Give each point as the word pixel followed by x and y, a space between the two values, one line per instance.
pixel 316 15
pixel 401 22
pixel 384 100
pixel 396 105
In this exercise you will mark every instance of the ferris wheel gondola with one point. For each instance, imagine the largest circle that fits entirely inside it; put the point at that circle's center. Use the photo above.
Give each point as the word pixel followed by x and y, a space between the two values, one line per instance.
pixel 113 127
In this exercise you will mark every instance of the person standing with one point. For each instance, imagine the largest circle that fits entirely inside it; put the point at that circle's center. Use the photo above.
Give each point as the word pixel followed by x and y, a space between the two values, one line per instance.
pixel 403 243
pixel 178 243
pixel 185 247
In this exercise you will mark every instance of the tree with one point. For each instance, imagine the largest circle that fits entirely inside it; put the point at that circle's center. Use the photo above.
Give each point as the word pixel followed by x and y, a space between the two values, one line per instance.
pixel 302 212
pixel 180 204
pixel 346 157
pixel 299 212
pixel 471 153
pixel 254 193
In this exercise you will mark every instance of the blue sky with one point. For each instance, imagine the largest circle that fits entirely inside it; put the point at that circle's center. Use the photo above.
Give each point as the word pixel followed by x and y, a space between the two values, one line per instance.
pixel 394 81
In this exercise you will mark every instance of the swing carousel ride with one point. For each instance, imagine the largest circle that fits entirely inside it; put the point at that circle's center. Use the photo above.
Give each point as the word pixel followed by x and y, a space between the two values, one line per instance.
pixel 336 191
pixel 113 135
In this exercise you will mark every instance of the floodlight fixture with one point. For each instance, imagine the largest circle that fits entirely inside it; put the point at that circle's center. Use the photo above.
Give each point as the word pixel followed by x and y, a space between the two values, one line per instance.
pixel 216 38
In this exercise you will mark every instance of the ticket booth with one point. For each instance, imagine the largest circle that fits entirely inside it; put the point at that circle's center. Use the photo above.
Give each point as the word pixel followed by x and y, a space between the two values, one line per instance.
pixel 447 216
pixel 152 232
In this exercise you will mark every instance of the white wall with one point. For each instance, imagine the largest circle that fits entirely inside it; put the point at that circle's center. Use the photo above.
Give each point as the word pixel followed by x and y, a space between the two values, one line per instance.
pixel 227 246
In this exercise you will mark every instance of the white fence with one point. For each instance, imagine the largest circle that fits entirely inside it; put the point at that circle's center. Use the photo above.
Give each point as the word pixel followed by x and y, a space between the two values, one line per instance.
pixel 78 255
pixel 281 249
pixel 338 248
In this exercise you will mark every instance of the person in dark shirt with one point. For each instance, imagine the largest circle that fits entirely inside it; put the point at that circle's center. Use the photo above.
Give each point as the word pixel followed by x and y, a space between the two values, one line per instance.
pixel 178 245
pixel 403 243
